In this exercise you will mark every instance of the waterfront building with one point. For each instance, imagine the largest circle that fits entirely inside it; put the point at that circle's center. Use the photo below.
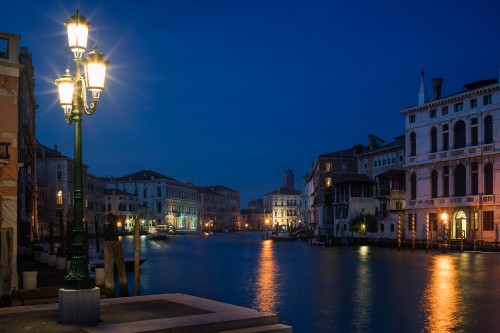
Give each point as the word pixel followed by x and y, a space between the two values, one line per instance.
pixel 94 206
pixel 125 206
pixel 220 208
pixel 318 186
pixel 17 151
pixel 452 162
pixel 383 163
pixel 284 205
pixel 256 219
pixel 171 201
pixel 55 185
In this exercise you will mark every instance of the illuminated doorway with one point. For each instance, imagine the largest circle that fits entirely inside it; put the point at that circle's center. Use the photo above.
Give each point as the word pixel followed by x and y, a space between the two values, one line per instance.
pixel 459 226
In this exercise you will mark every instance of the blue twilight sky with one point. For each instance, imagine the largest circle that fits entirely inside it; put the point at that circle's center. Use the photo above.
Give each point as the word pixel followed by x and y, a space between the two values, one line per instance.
pixel 234 92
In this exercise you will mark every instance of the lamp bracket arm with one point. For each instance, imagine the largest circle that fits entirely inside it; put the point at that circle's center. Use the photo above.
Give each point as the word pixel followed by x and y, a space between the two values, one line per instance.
pixel 88 109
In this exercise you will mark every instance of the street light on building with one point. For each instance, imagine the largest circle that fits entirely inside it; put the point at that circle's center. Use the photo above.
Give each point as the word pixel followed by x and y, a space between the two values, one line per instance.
pixel 73 100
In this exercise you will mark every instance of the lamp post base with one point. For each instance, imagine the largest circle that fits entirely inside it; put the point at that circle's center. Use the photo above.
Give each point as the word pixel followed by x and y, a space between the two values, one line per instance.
pixel 79 306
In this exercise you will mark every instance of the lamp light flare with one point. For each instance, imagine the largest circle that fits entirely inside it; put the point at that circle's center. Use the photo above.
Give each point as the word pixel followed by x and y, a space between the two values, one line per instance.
pixel 95 72
pixel 78 31
pixel 66 88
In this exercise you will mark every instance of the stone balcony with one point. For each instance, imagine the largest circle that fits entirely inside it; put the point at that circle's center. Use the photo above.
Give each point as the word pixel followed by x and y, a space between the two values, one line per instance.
pixel 451 154
pixel 471 200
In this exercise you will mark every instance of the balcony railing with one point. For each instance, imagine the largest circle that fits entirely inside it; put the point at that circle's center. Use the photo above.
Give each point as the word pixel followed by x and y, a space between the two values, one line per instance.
pixel 471 200
pixel 4 151
pixel 452 154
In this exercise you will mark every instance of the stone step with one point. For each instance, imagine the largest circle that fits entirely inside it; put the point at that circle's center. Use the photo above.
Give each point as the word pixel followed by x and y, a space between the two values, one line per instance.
pixel 276 328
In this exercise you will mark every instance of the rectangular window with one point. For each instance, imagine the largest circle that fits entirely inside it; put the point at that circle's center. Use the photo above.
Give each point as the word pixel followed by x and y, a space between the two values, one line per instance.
pixel 446 144
pixel 473 220
pixel 474 178
pixel 432 113
pixel 446 181
pixel 473 103
pixel 328 167
pixel 432 221
pixel 488 220
pixel 392 227
pixel 411 118
pixel 444 110
pixel 4 48
pixel 487 100
pixel 365 164
pixel 381 227
pixel 474 132
pixel 458 107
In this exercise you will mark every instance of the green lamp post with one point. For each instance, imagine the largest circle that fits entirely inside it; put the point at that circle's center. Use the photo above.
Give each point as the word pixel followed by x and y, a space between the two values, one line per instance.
pixel 73 100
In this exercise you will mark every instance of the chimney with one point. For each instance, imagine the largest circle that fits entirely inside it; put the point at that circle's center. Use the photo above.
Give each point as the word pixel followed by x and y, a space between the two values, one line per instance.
pixel 436 86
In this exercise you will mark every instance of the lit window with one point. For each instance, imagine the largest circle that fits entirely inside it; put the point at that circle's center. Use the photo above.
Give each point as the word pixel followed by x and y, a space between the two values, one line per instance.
pixel 328 182
pixel 59 198
pixel 328 166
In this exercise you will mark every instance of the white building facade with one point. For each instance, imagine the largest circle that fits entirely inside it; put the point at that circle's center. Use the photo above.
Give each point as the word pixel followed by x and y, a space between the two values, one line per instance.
pixel 452 164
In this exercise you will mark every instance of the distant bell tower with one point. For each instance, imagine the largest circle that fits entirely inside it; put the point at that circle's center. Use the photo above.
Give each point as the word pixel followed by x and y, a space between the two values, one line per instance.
pixel 288 179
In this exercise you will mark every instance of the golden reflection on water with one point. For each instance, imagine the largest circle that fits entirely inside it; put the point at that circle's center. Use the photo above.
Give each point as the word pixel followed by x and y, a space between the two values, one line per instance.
pixel 442 297
pixel 265 283
pixel 363 298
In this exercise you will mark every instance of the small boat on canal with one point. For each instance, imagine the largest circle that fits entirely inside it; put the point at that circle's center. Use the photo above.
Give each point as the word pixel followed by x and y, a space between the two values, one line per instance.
pixel 160 232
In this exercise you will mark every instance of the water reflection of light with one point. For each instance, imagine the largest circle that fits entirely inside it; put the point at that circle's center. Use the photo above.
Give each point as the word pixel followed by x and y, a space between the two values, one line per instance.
pixel 265 283
pixel 363 289
pixel 442 297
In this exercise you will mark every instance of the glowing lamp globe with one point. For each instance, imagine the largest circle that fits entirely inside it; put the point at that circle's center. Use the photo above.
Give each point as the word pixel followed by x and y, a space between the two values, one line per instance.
pixel 78 31
pixel 66 87
pixel 95 72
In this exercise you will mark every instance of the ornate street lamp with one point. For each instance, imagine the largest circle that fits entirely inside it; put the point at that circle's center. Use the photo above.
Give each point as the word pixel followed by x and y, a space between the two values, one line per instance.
pixel 73 100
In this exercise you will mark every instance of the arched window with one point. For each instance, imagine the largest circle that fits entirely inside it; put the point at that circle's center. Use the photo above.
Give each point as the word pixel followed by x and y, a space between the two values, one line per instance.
pixel 413 186
pixel 488 179
pixel 434 140
pixel 459 134
pixel 413 144
pixel 460 181
pixel 434 184
pixel 488 130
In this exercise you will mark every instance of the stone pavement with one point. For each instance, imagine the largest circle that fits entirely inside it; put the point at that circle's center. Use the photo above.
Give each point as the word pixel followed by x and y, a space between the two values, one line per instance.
pixel 154 313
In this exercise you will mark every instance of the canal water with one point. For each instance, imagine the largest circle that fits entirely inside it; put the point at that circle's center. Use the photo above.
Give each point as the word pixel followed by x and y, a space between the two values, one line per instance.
pixel 334 289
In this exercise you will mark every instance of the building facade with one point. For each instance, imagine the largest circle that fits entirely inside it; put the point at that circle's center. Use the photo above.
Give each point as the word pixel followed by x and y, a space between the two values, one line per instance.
pixel 220 207
pixel 453 162
pixel 319 186
pixel 125 206
pixel 171 201
pixel 17 162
